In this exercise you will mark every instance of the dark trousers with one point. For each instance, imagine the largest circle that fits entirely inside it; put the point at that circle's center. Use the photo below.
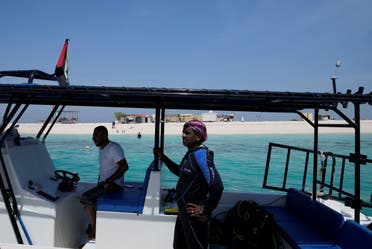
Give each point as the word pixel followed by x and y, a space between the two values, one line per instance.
pixel 89 197
pixel 190 233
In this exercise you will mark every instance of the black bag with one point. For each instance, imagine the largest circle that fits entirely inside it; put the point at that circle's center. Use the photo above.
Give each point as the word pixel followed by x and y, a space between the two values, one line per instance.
pixel 249 226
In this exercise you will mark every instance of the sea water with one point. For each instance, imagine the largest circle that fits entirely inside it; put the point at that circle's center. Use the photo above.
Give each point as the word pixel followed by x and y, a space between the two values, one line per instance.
pixel 240 159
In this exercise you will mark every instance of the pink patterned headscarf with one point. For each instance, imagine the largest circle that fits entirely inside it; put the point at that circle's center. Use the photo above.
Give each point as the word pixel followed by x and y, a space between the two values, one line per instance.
pixel 198 127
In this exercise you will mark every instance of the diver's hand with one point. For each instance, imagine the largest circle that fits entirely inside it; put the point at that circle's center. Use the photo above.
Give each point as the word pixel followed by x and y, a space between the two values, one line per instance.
pixel 158 152
pixel 196 211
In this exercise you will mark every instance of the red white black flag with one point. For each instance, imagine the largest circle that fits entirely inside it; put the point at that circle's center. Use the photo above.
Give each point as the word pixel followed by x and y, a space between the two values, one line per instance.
pixel 61 71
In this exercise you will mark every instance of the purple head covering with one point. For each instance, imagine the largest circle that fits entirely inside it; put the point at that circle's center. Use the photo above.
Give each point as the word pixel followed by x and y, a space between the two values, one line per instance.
pixel 198 127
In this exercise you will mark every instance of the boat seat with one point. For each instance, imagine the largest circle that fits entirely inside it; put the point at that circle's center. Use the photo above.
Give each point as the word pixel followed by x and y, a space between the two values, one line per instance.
pixel 352 235
pixel 304 222
pixel 130 200
pixel 295 208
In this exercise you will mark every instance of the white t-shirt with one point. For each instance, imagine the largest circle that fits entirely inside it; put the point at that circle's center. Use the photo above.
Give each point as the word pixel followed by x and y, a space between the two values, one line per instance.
pixel 108 158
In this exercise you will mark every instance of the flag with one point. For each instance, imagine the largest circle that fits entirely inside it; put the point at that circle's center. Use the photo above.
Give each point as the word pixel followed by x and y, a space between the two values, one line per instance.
pixel 61 71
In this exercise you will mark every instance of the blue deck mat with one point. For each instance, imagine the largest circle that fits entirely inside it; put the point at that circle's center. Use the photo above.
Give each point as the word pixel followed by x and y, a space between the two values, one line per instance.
pixel 130 200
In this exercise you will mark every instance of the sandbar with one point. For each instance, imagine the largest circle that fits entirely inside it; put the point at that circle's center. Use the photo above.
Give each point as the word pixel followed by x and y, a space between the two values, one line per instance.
pixel 222 128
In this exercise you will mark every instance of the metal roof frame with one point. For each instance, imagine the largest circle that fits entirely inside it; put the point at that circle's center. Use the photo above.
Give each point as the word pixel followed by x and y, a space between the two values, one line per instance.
pixel 176 98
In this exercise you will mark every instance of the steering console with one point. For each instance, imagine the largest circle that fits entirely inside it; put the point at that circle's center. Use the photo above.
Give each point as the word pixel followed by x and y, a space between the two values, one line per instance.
pixel 68 178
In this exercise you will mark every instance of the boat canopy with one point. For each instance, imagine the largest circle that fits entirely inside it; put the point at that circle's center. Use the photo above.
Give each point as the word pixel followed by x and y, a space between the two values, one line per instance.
pixel 172 98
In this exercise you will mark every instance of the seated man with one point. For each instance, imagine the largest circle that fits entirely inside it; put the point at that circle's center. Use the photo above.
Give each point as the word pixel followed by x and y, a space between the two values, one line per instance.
pixel 112 166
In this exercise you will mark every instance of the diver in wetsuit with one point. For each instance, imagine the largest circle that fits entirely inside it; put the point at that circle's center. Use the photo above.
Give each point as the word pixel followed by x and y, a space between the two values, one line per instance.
pixel 199 188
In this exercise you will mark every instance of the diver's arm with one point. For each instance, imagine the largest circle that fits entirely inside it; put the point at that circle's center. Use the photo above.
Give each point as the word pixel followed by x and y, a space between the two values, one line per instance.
pixel 172 166
pixel 206 163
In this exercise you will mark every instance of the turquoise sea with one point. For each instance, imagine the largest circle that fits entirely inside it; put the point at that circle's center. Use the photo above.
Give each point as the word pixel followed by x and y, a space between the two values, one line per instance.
pixel 240 159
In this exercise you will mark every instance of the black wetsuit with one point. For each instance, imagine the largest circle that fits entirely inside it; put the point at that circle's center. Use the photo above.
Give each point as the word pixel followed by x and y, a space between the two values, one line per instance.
pixel 199 183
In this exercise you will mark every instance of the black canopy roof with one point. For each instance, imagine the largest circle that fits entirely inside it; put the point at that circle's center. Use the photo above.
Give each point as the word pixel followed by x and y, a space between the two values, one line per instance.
pixel 170 98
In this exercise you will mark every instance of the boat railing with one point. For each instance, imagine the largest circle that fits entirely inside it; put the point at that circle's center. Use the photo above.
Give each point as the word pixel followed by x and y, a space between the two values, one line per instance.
pixel 332 166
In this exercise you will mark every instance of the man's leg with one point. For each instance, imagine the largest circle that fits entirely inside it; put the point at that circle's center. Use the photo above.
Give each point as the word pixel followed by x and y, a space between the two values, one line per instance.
pixel 91 212
pixel 179 241
pixel 191 231
pixel 89 200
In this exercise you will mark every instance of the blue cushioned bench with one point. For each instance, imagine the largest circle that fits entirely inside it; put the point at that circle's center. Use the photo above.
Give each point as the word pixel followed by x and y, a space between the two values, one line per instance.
pixel 305 223
pixel 130 200
pixel 352 236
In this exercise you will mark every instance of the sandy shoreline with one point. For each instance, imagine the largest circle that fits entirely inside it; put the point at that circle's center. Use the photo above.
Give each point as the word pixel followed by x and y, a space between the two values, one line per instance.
pixel 262 127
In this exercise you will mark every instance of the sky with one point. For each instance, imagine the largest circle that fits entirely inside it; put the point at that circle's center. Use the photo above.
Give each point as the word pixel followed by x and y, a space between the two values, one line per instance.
pixel 287 45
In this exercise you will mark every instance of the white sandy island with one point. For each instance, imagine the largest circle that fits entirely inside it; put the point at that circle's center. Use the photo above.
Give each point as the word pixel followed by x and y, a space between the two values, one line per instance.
pixel 261 127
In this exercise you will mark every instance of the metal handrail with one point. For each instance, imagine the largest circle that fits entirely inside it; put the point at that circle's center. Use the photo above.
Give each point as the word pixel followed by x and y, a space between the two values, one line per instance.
pixel 341 193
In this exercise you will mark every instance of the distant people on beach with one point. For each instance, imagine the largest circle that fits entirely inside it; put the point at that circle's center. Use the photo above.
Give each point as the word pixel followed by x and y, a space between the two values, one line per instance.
pixel 113 125
pixel 139 135
pixel 112 166
pixel 199 187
